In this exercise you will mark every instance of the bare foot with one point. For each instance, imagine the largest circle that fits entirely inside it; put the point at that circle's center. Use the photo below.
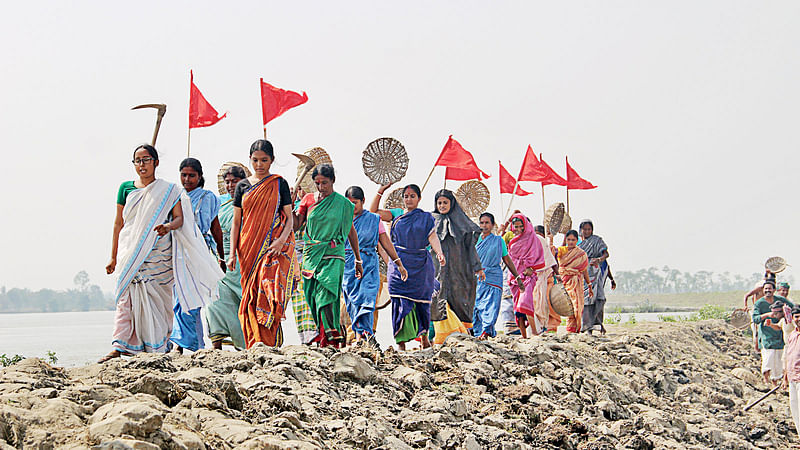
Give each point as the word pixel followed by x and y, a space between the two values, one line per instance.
pixel 216 345
pixel 402 346
pixel 426 343
pixel 112 355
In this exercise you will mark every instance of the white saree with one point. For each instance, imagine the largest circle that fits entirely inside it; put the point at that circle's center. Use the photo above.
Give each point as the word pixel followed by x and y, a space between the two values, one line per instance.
pixel 153 268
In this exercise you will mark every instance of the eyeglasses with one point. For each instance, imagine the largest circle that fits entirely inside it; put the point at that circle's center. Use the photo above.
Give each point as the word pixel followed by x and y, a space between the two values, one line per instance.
pixel 141 161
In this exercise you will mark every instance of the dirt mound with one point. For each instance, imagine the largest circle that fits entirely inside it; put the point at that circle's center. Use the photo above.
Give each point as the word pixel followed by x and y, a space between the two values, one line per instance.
pixel 647 386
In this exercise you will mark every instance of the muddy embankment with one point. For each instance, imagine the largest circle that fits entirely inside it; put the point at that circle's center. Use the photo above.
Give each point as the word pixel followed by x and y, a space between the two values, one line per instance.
pixel 652 385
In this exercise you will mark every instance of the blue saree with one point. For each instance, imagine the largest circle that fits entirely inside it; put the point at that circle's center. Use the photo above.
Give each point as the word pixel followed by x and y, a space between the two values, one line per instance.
pixel 411 299
pixel 489 292
pixel 188 330
pixel 360 294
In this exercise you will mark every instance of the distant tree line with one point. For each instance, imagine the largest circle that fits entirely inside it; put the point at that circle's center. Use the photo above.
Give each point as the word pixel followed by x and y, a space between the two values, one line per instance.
pixel 673 281
pixel 83 297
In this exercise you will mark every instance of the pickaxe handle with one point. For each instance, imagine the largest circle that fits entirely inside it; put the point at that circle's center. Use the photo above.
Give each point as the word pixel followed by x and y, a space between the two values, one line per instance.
pixel 158 125
pixel 300 178
pixel 747 408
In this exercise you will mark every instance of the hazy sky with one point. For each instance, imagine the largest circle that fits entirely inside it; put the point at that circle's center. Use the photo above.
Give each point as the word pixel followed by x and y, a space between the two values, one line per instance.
pixel 684 113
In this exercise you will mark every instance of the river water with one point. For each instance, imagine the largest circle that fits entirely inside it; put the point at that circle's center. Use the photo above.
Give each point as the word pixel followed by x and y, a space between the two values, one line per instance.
pixel 79 338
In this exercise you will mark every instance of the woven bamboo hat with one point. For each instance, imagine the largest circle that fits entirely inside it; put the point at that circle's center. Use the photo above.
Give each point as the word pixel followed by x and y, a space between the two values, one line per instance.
pixel 221 174
pixel 385 161
pixel 473 197
pixel 776 264
pixel 320 156
pixel 394 199
pixel 740 318
pixel 560 301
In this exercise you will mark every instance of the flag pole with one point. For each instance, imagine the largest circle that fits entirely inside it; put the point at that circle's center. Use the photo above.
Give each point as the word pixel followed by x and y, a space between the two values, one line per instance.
pixel 427 179
pixel 513 195
pixel 265 132
pixel 567 200
pixel 544 210
pixel 188 142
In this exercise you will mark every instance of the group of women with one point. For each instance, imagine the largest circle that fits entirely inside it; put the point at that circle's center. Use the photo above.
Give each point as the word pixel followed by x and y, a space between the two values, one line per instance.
pixel 241 258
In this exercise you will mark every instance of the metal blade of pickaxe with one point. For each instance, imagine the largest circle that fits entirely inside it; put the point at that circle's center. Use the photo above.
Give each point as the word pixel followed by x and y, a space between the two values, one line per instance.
pixel 309 164
pixel 162 109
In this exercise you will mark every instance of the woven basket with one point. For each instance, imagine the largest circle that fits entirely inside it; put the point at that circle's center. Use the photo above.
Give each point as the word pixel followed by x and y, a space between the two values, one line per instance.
pixel 560 301
pixel 394 199
pixel 385 161
pixel 740 318
pixel 320 156
pixel 221 174
pixel 554 218
pixel 776 264
pixel 566 224
pixel 473 196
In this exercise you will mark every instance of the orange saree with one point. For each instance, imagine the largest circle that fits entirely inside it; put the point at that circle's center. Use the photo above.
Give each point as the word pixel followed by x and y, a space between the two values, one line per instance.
pixel 266 281
pixel 571 264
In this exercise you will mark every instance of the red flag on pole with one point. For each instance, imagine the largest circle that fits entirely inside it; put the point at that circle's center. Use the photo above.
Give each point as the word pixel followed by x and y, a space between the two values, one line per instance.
pixel 531 169
pixel 507 183
pixel 574 181
pixel 551 176
pixel 276 101
pixel 454 156
pixel 201 113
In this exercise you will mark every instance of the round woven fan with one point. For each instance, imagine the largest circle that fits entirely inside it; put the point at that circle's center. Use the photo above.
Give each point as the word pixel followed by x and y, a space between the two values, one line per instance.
pixel 560 301
pixel 554 218
pixel 394 199
pixel 473 196
pixel 385 161
pixel 740 318
pixel 320 156
pixel 221 175
pixel 776 264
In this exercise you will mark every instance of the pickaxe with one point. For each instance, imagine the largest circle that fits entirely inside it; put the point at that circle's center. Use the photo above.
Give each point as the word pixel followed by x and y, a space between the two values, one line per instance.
pixel 162 109
pixel 308 162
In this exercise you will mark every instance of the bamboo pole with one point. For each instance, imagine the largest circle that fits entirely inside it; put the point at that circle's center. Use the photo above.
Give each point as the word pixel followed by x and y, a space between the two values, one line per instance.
pixel 427 179
pixel 265 132
pixel 513 195
pixel 567 200
pixel 188 142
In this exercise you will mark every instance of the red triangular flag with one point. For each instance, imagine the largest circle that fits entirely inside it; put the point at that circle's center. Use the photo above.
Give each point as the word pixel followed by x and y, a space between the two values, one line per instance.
pixel 574 181
pixel 201 113
pixel 456 174
pixel 531 170
pixel 454 156
pixel 507 183
pixel 276 101
pixel 552 177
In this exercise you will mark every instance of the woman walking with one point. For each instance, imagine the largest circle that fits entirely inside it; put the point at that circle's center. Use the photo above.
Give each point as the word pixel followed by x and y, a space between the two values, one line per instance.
pixel 328 220
pixel 492 250
pixel 188 330
pixel 155 241
pixel 223 315
pixel 453 307
pixel 303 319
pixel 526 252
pixel 412 232
pixel 262 239
pixel 572 264
pixel 594 299
pixel 360 294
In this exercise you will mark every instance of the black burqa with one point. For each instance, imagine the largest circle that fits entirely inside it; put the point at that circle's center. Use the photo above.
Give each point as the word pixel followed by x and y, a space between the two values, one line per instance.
pixel 458 236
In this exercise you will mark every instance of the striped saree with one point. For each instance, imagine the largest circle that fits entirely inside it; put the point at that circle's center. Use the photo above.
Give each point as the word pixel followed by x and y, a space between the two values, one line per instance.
pixel 266 281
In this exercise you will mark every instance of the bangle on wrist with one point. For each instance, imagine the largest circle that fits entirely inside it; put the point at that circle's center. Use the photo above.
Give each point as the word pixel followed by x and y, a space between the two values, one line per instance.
pixel 395 260
pixel 358 261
